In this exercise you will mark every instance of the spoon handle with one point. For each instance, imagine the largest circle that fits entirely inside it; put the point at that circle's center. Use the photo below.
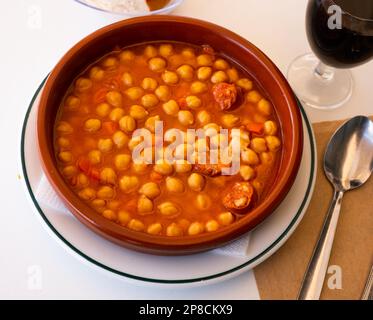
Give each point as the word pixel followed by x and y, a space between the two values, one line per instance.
pixel 316 271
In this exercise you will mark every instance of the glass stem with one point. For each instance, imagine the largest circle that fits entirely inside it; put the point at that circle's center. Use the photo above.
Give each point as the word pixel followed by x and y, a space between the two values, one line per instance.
pixel 324 72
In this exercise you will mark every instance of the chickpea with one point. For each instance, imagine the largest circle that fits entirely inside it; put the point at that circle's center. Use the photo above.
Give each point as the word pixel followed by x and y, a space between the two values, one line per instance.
pixel 150 190
pixel 264 107
pixel 109 214
pixel 120 139
pixel 105 193
pixel 124 217
pixel 203 202
pixel 185 117
pixel 185 72
pixel 150 51
pixel 245 84
pixel 182 166
pixel 171 108
pixel 226 218
pixel 195 228
pixel 127 124
pixel 168 209
pixel 135 141
pixel 72 103
pixel 165 50
pixel 154 228
pixel 247 173
pixel 96 74
pixel 193 102
pixel 221 64
pixel 163 167
pixel 82 180
pixel 87 194
pixel 273 142
pixel 253 96
pixel 116 114
pixel 211 129
pixel 110 63
pixel 150 123
pixel 201 145
pixel 127 79
pixel 129 183
pixel 126 56
pixel 258 145
pixel 211 225
pixel 83 84
pixel 103 109
pixel 173 230
pixel 188 53
pixel 138 112
pixel 182 150
pixel 94 156
pixel 218 77
pixel 63 142
pixel 149 84
pixel 69 171
pixel 230 120
pixel 196 182
pixel 149 100
pixel 171 135
pixel 174 185
pixel 267 158
pixel 203 117
pixel 270 128
pixel 198 87
pixel 65 156
pixel 218 141
pixel 170 77
pixel 122 161
pixel 157 64
pixel 205 60
pixel 232 75
pixel 250 157
pixel 64 128
pixel 139 168
pixel 134 93
pixel 92 125
pixel 98 204
pixel 144 205
pixel 108 175
pixel 204 73
pixel 136 225
pixel 163 93
pixel 105 145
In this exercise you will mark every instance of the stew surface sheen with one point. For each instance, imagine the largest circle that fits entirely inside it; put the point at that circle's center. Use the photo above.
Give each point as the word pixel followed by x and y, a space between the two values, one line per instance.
pixel 185 87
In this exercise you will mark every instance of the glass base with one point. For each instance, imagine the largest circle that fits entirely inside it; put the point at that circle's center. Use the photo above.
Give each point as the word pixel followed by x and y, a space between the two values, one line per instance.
pixel 317 85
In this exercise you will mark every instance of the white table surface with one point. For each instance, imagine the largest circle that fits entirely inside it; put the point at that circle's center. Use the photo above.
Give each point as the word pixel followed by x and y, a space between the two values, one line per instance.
pixel 34 35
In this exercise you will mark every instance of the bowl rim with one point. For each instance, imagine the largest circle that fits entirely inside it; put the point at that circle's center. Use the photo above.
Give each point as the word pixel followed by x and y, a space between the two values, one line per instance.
pixel 169 7
pixel 162 244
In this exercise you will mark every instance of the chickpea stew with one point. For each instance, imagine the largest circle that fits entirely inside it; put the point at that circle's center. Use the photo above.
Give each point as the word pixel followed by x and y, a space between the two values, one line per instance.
pixel 183 87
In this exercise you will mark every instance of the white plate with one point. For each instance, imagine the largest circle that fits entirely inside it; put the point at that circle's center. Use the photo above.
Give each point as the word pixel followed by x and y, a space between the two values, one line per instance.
pixel 268 237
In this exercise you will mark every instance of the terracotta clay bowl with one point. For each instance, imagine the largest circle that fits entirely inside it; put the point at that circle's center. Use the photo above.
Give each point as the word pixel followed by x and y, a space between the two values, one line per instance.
pixel 169 28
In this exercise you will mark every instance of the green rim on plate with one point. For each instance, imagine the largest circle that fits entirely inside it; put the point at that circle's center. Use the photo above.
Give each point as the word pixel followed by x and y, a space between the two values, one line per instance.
pixel 131 276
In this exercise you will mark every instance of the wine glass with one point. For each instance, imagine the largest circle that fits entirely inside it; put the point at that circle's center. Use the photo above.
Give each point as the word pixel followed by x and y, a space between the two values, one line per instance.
pixel 340 33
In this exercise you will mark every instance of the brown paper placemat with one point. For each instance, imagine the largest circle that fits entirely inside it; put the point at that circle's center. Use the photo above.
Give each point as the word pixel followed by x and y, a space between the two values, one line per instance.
pixel 281 275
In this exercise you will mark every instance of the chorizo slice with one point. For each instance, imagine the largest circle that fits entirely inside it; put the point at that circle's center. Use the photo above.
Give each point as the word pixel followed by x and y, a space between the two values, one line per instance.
pixel 210 170
pixel 238 199
pixel 225 94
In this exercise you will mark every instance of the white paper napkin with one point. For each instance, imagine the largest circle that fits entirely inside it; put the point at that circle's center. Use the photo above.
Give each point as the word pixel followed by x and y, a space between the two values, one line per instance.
pixel 48 197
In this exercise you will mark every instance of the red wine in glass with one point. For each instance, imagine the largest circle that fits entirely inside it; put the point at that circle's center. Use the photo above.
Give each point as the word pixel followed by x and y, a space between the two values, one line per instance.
pixel 340 33
pixel 349 46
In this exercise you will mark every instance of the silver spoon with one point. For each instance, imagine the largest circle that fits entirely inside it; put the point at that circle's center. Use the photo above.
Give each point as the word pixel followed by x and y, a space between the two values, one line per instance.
pixel 348 164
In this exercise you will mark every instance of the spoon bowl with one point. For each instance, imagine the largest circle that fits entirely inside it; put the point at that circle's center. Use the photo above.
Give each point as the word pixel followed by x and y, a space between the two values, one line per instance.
pixel 348 160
